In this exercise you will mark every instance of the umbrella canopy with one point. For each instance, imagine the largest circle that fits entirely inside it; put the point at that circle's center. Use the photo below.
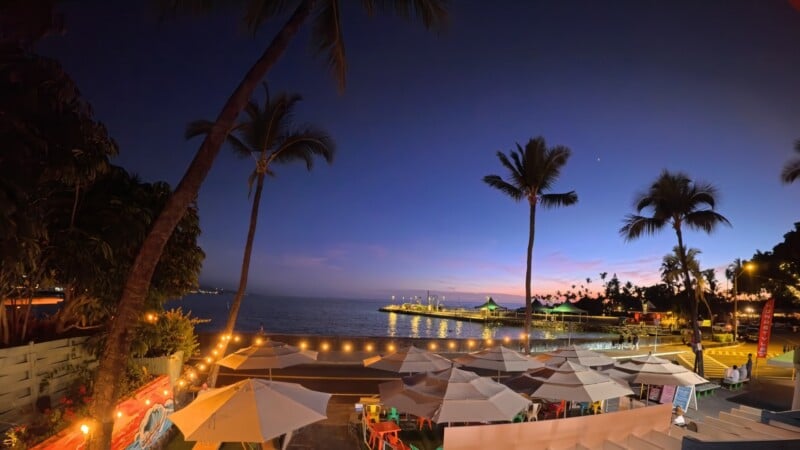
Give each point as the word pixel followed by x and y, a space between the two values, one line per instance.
pixel 490 305
pixel 569 381
pixel 500 359
pixel 453 395
pixel 270 355
pixel 784 360
pixel 568 308
pixel 409 360
pixel 578 355
pixel 252 410
pixel 654 370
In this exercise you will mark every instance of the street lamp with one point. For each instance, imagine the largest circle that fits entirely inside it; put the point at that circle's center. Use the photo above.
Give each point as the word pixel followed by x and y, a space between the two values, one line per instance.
pixel 746 268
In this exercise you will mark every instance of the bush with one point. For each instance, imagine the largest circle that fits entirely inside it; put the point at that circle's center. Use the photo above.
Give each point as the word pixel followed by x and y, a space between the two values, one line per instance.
pixel 166 334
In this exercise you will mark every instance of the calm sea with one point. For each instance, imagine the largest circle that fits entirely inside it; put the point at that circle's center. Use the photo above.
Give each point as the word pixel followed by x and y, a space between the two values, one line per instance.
pixel 342 317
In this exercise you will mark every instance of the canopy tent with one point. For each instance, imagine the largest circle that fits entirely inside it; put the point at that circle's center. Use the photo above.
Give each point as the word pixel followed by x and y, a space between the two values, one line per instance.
pixel 270 355
pixel 500 359
pixel 490 305
pixel 409 360
pixel 569 381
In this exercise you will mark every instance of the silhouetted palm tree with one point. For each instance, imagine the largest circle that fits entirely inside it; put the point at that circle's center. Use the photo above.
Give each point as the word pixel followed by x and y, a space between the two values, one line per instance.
pixel 792 168
pixel 699 279
pixel 532 173
pixel 326 38
pixel 268 136
pixel 675 200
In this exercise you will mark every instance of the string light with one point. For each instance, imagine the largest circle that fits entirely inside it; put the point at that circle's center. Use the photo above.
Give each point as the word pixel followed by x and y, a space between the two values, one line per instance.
pixel 259 341
pixel 368 347
pixel 347 347
pixel 506 339
pixel 470 344
pixel 201 366
pixel 325 347
pixel 451 344
pixel 85 429
pixel 303 345
pixel 209 359
pixel 432 346
pixel 147 402
pixel 390 347
pixel 119 414
pixel 236 339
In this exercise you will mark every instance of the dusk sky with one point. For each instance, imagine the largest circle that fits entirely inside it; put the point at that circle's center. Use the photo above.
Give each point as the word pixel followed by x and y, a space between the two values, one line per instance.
pixel 711 88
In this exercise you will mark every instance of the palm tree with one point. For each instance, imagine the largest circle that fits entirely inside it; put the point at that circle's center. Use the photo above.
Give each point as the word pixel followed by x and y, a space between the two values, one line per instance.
pixel 792 168
pixel 532 173
pixel 699 277
pixel 675 200
pixel 327 39
pixel 268 136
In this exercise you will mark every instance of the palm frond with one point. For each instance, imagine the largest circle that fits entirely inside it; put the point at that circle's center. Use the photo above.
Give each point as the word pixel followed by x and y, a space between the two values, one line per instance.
pixel 305 145
pixel 507 188
pixel 258 12
pixel 327 35
pixel 433 13
pixel 556 200
pixel 250 180
pixel 636 225
pixel 239 148
pixel 197 128
pixel 791 170
pixel 705 220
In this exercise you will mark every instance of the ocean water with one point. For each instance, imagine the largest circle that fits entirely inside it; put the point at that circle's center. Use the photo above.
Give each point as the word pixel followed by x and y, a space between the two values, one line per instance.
pixel 343 317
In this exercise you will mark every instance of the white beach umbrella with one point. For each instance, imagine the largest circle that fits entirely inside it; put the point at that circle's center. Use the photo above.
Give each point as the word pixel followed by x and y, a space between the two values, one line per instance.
pixel 654 370
pixel 569 381
pixel 453 395
pixel 252 410
pixel 500 359
pixel 409 360
pixel 584 357
pixel 269 355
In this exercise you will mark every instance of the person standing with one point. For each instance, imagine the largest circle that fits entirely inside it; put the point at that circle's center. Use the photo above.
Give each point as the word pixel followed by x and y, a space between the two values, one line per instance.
pixel 636 341
pixel 749 365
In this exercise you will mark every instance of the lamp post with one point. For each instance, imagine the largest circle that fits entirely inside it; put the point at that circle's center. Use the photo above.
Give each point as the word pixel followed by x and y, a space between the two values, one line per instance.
pixel 746 268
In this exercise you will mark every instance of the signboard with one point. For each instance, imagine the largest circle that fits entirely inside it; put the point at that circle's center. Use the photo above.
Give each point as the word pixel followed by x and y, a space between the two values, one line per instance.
pixel 667 394
pixel 683 394
pixel 765 329
pixel 654 393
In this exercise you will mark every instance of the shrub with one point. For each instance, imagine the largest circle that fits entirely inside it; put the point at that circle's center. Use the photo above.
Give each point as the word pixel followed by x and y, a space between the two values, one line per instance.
pixel 724 338
pixel 166 334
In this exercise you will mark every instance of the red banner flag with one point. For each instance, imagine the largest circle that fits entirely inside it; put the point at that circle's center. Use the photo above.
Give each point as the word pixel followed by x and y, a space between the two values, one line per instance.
pixel 765 329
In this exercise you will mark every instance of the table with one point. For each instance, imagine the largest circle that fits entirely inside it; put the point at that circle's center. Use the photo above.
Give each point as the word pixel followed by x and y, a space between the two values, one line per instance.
pixel 381 429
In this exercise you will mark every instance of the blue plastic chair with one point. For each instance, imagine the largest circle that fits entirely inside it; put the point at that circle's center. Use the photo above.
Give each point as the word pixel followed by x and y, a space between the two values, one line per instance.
pixel 584 406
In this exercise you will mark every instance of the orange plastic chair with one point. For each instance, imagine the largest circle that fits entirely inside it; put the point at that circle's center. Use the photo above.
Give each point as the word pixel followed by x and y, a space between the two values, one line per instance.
pixel 396 443
pixel 559 408
pixel 422 421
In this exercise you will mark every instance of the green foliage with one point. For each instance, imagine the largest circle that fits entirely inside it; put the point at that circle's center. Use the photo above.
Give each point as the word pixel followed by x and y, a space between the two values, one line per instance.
pixel 725 338
pixel 171 332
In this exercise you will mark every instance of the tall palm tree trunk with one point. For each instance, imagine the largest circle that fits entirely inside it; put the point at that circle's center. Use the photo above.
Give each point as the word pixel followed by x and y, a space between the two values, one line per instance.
pixel 129 308
pixel 693 304
pixel 528 306
pixel 233 313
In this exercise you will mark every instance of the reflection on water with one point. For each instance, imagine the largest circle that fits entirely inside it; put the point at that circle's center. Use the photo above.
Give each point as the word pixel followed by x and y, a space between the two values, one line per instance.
pixel 415 326
pixel 428 326
pixel 442 333
pixel 392 329
pixel 459 327
pixel 487 333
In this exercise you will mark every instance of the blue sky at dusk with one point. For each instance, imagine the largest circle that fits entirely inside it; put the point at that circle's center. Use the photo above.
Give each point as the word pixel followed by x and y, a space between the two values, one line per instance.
pixel 632 87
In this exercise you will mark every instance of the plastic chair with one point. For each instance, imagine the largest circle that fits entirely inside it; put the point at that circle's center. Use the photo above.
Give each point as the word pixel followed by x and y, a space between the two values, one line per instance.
pixel 393 415
pixel 396 443
pixel 559 408
pixel 422 421
pixel 373 412
pixel 533 411
pixel 584 407
pixel 597 407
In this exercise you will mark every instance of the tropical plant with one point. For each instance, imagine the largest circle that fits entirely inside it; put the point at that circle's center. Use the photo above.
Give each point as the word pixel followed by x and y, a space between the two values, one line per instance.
pixel 675 200
pixel 167 333
pixel 791 170
pixel 699 280
pixel 327 37
pixel 532 173
pixel 269 137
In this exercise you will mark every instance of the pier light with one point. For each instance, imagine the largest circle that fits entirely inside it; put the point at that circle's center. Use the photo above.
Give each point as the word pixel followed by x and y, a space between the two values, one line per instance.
pixel 303 345
pixel 451 344
pixel 85 429
pixel 369 347
pixel 325 346
pixel 347 347
pixel 390 347
pixel 432 346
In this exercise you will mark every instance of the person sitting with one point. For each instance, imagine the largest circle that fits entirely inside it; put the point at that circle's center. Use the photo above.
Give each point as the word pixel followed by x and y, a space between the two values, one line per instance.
pixel 732 374
pixel 679 419
pixel 742 373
